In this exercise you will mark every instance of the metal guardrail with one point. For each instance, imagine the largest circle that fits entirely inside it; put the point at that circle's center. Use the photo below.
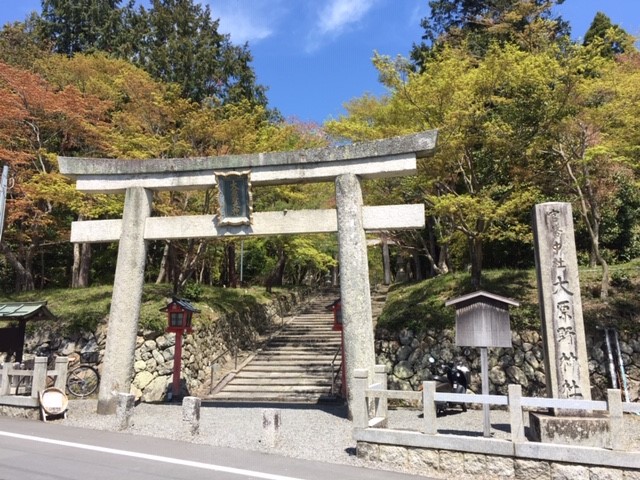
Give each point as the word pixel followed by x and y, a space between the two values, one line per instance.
pixel 335 372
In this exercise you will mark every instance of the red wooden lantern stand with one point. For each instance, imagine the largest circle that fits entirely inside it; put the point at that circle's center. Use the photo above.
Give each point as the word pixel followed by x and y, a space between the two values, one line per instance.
pixel 179 313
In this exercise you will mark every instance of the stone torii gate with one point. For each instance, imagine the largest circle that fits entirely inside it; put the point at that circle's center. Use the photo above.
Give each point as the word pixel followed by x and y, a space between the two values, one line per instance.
pixel 234 175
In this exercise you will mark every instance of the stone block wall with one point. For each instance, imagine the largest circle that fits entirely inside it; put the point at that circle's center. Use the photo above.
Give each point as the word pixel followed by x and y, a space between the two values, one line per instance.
pixel 474 466
pixel 406 355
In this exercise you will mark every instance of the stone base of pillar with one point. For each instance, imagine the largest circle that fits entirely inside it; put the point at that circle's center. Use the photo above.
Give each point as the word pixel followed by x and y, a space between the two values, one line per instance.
pixel 107 407
pixel 593 431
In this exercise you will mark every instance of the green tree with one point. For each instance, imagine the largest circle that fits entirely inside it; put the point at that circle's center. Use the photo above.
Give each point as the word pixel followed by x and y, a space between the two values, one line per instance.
pixel 597 147
pixel 493 115
pixel 479 23
pixel 86 26
pixel 612 38
pixel 177 41
pixel 21 46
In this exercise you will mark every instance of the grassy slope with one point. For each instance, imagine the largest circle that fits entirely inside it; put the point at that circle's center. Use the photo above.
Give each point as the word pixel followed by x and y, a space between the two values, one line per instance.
pixel 421 305
pixel 416 305
pixel 82 308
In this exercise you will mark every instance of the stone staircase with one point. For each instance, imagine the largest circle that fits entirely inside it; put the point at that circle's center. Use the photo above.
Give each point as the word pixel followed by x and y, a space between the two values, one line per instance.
pixel 294 366
pixel 299 363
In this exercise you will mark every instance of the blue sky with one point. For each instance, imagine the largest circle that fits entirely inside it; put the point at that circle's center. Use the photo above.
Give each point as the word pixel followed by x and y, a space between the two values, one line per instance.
pixel 315 55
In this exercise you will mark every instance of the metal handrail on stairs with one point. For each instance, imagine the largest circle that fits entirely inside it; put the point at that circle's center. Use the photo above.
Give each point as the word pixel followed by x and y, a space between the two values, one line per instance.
pixel 334 372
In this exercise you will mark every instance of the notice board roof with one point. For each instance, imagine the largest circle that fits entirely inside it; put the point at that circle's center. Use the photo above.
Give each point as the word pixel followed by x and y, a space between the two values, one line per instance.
pixel 25 311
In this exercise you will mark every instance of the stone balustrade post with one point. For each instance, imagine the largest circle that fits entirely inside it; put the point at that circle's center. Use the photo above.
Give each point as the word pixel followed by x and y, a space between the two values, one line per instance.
pixel 359 407
pixel 515 413
pixel 616 420
pixel 191 413
pixel 124 410
pixel 429 407
pixel 4 381
pixel 39 379
pixel 61 368
pixel 380 377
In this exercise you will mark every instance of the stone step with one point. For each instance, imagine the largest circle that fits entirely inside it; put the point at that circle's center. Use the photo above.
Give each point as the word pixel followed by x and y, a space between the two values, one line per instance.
pixel 284 382
pixel 295 365
pixel 282 389
pixel 257 397
pixel 243 374
pixel 306 351
pixel 287 367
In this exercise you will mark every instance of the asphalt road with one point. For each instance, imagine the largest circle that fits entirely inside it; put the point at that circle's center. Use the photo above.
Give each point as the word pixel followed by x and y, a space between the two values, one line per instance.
pixel 34 450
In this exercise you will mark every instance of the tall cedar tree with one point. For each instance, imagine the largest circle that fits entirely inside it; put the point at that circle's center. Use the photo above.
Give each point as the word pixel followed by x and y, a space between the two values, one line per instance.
pixel 615 40
pixel 478 23
pixel 85 26
pixel 174 40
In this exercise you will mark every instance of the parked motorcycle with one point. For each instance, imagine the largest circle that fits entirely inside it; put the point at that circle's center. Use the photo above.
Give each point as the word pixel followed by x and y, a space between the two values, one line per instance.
pixel 449 379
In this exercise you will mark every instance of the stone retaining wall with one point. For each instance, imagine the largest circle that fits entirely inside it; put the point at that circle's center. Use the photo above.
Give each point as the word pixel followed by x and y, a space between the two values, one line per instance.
pixel 406 355
pixel 462 466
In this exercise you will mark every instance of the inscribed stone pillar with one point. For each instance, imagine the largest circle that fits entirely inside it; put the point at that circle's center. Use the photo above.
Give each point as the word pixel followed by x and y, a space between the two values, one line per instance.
pixel 355 291
pixel 566 360
pixel 125 300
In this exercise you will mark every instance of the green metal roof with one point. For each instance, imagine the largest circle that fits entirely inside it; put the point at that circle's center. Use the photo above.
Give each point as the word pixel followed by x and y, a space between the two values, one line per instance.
pixel 25 311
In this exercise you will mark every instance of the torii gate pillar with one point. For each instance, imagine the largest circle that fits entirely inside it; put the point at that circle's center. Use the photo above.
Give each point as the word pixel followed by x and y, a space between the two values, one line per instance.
pixel 355 291
pixel 125 300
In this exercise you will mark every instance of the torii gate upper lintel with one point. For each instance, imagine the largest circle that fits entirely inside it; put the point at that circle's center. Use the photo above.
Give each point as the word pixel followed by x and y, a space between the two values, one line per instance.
pixel 345 164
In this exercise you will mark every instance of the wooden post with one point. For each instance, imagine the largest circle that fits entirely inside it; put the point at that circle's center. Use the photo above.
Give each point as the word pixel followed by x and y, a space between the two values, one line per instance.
pixel 177 365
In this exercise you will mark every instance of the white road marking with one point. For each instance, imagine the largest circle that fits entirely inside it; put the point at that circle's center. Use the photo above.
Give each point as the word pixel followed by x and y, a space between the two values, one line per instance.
pixel 156 458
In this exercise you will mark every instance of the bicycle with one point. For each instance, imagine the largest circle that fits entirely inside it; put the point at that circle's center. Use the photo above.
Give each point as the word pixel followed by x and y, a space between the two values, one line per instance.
pixel 83 380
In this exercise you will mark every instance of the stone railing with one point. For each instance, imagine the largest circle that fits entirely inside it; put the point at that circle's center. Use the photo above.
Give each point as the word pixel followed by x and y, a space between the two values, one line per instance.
pixel 20 385
pixel 378 442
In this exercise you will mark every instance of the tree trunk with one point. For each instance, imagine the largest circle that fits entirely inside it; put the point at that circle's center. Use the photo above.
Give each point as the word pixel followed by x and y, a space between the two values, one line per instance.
pixel 386 260
pixel 24 278
pixel 416 266
pixel 475 250
pixel 162 273
pixel 277 274
pixel 80 274
pixel 589 209
pixel 231 266
pixel 443 259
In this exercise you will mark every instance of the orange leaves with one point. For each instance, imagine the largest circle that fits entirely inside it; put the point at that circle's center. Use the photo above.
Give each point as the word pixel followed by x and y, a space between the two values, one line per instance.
pixel 37 116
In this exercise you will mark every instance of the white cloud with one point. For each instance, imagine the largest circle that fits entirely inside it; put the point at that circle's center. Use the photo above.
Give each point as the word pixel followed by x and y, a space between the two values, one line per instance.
pixel 248 21
pixel 336 18
pixel 339 14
